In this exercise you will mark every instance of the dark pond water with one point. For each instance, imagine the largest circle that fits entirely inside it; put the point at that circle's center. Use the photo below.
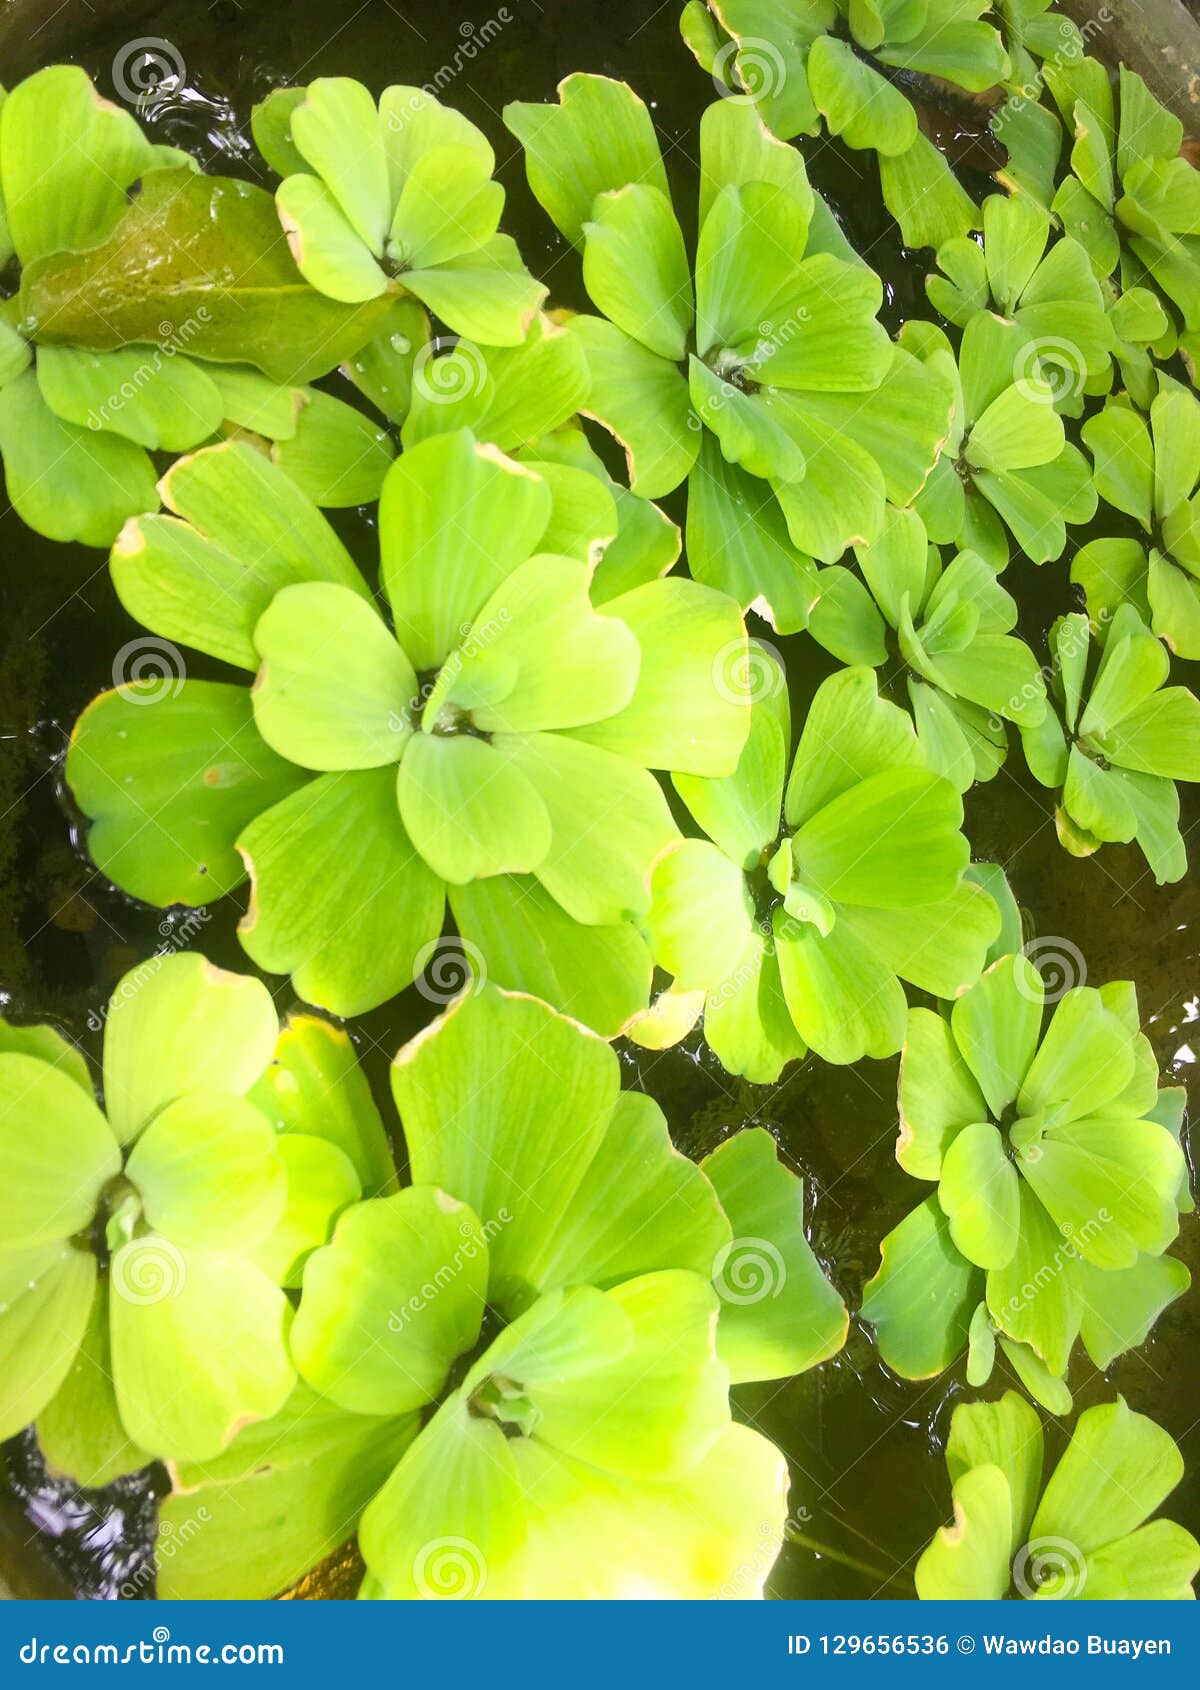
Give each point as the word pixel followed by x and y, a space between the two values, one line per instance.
pixel 868 1481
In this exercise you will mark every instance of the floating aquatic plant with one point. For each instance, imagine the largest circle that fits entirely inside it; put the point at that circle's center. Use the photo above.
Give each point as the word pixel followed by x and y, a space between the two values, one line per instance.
pixel 491 746
pixel 145 1244
pixel 950 628
pixel 136 322
pixel 1081 1534
pixel 540 1333
pixel 1117 740
pixel 853 66
pixel 396 198
pixel 1007 467
pixel 801 937
pixel 1149 469
pixel 1059 1184
pixel 760 373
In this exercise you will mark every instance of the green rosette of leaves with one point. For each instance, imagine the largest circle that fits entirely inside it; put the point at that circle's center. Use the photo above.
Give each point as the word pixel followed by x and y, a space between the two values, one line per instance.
pixel 851 64
pixel 151 325
pixel 395 198
pixel 1117 741
pixel 1048 289
pixel 759 373
pixel 559 1302
pixel 146 1244
pixel 1148 468
pixel 1059 1176
pixel 801 937
pixel 1130 199
pixel 947 631
pixel 491 746
pixel 1007 474
pixel 1082 1534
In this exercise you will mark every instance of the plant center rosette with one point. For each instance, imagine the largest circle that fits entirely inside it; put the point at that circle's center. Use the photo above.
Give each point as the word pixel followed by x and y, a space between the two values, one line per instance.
pixel 492 746
pixel 146 1244
pixel 1060 1181
pixel 822 889
pixel 536 1338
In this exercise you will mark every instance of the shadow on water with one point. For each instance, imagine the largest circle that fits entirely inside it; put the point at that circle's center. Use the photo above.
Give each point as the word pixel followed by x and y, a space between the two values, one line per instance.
pixel 867 1475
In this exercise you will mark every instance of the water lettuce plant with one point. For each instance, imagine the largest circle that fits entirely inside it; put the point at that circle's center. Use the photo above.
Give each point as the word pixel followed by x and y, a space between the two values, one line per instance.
pixel 145 1243
pixel 1007 474
pixel 1047 287
pixel 1148 468
pixel 800 936
pixel 490 747
pixel 540 1330
pixel 1082 1534
pixel 947 630
pixel 396 197
pixel 1130 199
pixel 139 324
pixel 1059 1178
pixel 1117 740
pixel 757 372
pixel 853 66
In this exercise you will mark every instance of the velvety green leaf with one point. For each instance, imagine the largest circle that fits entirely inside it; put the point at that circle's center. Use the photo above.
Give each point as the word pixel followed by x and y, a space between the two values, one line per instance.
pixel 1085 1059
pixel 448 207
pixel 67 158
pixel 845 1000
pixel 1117 1469
pixel 642 399
pixel 850 734
pixel 741 812
pixel 700 914
pixel 598 138
pixel 511 396
pixel 437 575
pixel 391 1303
pixel 46 1294
pixel 327 249
pixel 178 1024
pixel 636 269
pixel 469 810
pixel 1034 1298
pixel 890 842
pixel 48 1045
pixel 353 941
pixel 208 1172
pixel 925 197
pixel 1005 1434
pixel 996 1026
pixel 1121 1307
pixel 737 541
pixel 980 1196
pixel 169 773
pixel 270 125
pixel 334 690
pixel 690 709
pixel 246 533
pixel 779 1314
pixel 921 1300
pixel 202 1355
pixel 80 1430
pixel 969 1559
pixel 335 454
pixel 320 1181
pixel 939 947
pixel 162 402
pixel 528 943
pixel 1123 456
pixel 315 1087
pixel 482 1095
pixel 67 482
pixel 857 102
pixel 938 1095
pixel 58 1153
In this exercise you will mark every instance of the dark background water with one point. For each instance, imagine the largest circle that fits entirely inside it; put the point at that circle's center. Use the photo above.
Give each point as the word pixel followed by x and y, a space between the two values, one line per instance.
pixel 868 1480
